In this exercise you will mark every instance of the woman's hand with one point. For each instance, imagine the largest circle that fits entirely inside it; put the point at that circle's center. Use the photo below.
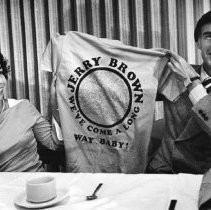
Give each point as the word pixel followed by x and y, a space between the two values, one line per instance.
pixel 53 100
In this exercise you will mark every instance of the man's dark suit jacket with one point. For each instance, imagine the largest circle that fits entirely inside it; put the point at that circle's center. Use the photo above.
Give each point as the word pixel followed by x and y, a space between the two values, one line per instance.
pixel 186 144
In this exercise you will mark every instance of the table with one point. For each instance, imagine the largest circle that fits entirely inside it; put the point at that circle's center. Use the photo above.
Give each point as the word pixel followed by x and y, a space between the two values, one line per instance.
pixel 119 191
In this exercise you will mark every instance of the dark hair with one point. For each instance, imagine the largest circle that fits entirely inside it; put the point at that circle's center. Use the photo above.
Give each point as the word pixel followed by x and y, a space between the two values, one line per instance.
pixel 4 66
pixel 206 18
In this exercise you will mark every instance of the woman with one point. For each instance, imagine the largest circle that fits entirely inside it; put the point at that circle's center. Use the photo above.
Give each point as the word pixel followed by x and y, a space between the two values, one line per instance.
pixel 20 126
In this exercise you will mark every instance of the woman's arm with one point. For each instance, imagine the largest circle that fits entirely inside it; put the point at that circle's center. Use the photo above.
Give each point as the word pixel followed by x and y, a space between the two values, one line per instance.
pixel 46 134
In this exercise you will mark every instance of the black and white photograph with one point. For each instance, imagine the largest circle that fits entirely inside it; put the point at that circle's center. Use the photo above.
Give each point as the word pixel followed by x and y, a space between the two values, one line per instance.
pixel 105 104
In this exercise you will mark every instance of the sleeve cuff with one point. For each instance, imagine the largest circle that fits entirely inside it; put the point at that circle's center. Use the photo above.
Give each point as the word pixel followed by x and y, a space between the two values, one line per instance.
pixel 197 93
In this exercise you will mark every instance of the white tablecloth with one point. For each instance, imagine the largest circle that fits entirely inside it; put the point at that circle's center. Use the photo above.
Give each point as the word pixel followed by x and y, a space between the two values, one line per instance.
pixel 119 191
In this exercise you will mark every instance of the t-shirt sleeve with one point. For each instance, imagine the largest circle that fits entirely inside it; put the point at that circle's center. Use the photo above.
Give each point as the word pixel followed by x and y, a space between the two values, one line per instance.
pixel 51 56
pixel 168 84
pixel 46 64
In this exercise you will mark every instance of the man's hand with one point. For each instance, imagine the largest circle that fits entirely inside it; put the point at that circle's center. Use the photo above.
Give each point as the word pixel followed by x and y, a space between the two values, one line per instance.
pixel 181 68
pixel 187 74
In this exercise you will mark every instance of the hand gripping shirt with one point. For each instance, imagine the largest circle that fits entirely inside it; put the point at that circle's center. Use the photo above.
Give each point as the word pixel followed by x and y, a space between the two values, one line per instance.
pixel 106 97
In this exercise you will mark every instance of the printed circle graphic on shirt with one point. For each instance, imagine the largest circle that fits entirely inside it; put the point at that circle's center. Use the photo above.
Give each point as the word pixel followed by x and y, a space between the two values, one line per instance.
pixel 104 97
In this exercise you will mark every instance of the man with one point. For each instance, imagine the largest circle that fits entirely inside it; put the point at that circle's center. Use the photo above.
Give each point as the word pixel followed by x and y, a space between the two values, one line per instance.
pixel 186 145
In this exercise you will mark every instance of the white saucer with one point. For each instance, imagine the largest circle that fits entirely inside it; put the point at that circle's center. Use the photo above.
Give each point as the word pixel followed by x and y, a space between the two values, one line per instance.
pixel 22 202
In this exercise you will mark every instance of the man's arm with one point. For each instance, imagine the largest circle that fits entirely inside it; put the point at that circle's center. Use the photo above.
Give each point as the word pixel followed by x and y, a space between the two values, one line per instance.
pixel 161 162
pixel 202 113
pixel 201 110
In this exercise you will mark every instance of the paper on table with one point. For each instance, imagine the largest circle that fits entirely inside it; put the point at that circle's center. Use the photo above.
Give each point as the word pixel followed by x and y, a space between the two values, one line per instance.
pixel 186 191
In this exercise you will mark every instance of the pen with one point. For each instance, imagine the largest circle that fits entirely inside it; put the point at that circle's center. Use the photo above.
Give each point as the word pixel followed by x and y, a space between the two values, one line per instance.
pixel 172 205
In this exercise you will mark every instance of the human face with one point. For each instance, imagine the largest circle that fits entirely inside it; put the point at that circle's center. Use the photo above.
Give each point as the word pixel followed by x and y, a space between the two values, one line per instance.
pixel 3 82
pixel 204 44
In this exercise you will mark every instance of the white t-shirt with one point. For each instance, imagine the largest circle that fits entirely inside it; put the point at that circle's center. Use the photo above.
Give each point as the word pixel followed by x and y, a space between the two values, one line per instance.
pixel 106 97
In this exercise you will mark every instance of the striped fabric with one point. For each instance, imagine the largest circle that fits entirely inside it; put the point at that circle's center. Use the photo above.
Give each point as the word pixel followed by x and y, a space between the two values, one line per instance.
pixel 207 84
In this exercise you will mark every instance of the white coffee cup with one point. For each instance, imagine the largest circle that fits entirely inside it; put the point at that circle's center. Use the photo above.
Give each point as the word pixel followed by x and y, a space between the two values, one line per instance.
pixel 41 189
